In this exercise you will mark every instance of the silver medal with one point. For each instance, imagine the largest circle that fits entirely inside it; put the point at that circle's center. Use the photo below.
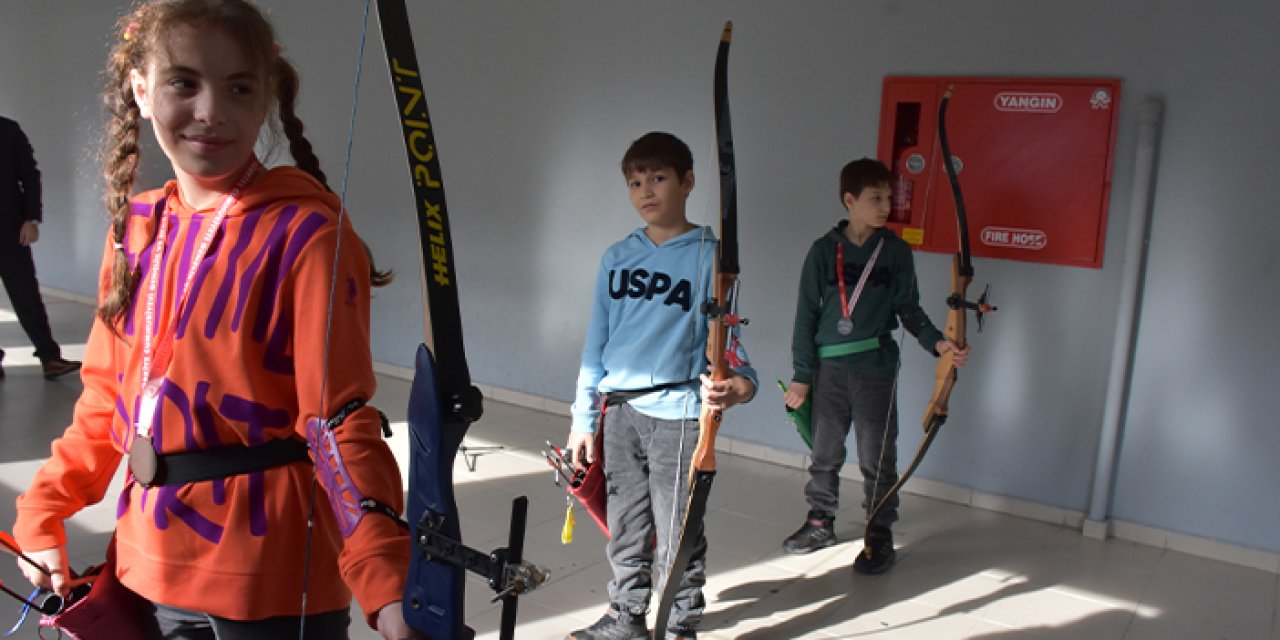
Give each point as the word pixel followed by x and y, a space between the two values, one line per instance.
pixel 844 326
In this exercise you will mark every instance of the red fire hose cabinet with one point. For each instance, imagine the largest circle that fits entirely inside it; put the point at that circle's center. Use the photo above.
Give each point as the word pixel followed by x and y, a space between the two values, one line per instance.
pixel 1034 158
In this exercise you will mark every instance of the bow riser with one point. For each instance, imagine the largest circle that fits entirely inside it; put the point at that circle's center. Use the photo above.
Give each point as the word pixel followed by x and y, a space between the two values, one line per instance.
pixel 945 373
pixel 709 420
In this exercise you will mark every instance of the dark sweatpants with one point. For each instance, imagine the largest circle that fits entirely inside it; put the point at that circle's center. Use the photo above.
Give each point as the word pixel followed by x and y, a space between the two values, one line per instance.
pixel 18 271
pixel 842 397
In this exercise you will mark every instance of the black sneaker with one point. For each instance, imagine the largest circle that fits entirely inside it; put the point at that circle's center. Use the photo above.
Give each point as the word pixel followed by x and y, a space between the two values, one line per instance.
pixel 817 532
pixel 614 625
pixel 877 556
pixel 685 634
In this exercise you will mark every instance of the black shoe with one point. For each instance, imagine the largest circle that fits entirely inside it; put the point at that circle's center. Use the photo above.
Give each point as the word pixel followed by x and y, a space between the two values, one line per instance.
pixel 877 556
pixel 614 625
pixel 686 634
pixel 55 368
pixel 817 532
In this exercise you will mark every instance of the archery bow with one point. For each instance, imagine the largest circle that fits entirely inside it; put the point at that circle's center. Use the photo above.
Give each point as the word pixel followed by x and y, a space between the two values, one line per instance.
pixel 957 306
pixel 721 317
pixel 443 403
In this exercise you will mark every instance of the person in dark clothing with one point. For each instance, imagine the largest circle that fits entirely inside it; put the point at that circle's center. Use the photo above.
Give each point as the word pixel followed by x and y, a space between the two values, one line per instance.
pixel 20 216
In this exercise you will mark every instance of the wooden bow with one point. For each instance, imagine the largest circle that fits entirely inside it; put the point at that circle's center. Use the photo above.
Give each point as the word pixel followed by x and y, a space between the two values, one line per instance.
pixel 722 319
pixel 958 305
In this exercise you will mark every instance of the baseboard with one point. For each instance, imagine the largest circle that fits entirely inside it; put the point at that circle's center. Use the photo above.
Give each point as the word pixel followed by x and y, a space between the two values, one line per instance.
pixel 51 292
pixel 1194 545
pixel 497 394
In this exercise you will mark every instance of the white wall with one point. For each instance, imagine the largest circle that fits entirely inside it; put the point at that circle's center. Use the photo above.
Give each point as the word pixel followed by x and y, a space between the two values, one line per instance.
pixel 534 104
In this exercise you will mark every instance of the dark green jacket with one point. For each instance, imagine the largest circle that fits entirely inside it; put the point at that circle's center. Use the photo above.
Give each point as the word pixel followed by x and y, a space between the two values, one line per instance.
pixel 890 295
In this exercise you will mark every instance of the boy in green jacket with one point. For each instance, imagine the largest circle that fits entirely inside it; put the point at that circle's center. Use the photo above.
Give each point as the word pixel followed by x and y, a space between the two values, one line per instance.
pixel 858 282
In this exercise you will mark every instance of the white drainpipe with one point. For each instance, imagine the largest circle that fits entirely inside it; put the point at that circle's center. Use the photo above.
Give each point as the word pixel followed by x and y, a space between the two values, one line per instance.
pixel 1097 525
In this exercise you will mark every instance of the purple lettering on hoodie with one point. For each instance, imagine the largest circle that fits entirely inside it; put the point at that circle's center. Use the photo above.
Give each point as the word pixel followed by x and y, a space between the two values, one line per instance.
pixel 277 358
pixel 272 246
pixel 219 307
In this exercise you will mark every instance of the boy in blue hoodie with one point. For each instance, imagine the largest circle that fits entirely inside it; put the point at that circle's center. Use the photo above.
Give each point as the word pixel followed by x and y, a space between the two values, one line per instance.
pixel 645 358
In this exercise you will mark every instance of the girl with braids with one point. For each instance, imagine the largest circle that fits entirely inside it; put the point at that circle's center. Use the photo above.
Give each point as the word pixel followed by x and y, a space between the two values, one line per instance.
pixel 210 364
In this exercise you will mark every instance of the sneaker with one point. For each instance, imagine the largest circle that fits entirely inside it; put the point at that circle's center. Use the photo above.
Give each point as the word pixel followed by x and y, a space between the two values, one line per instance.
pixel 878 555
pixel 614 625
pixel 55 368
pixel 684 634
pixel 817 532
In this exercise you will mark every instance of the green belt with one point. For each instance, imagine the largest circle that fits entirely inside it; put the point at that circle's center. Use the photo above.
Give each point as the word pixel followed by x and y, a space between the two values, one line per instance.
pixel 849 348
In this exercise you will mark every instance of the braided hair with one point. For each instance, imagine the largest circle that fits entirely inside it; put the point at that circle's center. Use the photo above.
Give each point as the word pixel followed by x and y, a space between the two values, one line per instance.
pixel 142 35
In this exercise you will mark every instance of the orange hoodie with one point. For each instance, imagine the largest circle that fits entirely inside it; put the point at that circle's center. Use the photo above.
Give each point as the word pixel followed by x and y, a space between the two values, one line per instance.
pixel 248 366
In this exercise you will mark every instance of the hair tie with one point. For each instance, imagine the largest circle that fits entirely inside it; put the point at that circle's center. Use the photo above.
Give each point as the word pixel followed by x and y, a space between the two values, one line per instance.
pixel 129 30
pixel 118 245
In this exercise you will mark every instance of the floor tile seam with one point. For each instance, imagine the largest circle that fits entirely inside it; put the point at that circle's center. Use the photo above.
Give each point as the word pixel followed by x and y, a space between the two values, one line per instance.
pixel 1148 588
pixel 1043 634
pixel 1103 607
pixel 899 627
pixel 1066 590
pixel 502 533
pixel 778 563
pixel 728 509
pixel 1104 602
pixel 1128 624
pixel 1205 629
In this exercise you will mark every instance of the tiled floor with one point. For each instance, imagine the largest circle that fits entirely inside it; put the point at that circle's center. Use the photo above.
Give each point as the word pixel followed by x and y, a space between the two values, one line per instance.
pixel 961 573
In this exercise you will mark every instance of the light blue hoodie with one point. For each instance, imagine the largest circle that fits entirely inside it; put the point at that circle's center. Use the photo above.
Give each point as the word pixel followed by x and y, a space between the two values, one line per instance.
pixel 648 327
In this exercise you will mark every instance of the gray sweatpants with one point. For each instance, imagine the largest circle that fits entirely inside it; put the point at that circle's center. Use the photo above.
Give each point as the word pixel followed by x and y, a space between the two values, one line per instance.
pixel 840 397
pixel 647 475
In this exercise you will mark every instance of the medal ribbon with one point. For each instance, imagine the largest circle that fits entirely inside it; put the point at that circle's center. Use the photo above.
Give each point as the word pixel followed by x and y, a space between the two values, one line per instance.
pixel 846 305
pixel 158 360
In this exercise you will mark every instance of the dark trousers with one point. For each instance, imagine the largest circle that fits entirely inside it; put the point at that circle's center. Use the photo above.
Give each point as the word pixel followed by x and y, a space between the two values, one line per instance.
pixel 181 624
pixel 842 397
pixel 18 270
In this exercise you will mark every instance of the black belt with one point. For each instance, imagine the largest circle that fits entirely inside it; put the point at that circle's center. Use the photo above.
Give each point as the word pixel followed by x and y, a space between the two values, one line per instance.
pixel 622 396
pixel 226 461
